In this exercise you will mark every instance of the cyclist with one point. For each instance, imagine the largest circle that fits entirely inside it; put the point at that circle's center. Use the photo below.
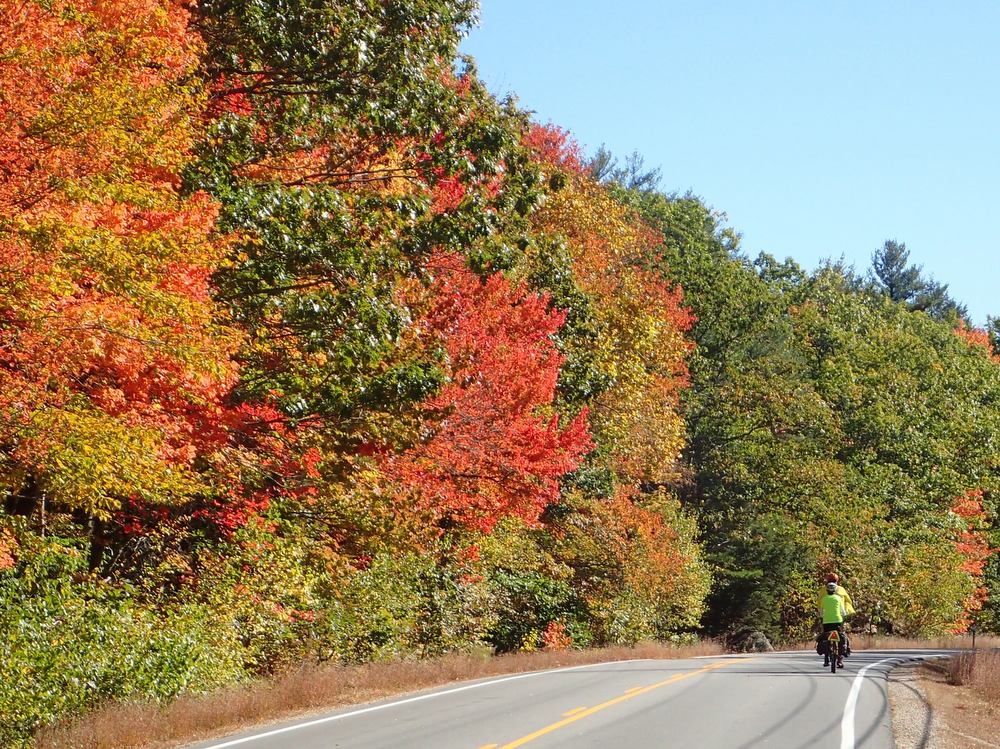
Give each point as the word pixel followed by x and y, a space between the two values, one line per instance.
pixel 833 611
pixel 833 577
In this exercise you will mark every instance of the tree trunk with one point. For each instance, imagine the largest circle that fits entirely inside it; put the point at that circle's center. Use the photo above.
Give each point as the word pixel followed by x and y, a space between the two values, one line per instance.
pixel 98 543
pixel 24 502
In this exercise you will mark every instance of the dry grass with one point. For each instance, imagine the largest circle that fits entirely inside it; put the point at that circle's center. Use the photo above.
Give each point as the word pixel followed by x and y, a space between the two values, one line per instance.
pixel 310 689
pixel 965 716
pixel 861 641
pixel 954 642
pixel 979 669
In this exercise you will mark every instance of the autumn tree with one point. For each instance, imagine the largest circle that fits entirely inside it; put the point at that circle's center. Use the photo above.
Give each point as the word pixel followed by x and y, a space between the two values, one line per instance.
pixel 344 149
pixel 490 445
pixel 115 362
pixel 637 343
pixel 630 548
pixel 973 543
pixel 347 148
pixel 636 563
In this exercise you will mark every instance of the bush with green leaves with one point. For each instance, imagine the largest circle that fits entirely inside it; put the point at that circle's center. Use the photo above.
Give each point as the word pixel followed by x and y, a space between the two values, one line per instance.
pixel 404 606
pixel 526 601
pixel 72 641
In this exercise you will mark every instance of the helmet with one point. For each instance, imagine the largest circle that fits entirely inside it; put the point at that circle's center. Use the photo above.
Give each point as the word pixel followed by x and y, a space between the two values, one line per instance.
pixel 832 577
pixel 831 587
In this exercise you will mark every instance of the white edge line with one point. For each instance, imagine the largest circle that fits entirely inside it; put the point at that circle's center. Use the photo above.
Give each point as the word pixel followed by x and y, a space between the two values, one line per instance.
pixel 418 698
pixel 847 722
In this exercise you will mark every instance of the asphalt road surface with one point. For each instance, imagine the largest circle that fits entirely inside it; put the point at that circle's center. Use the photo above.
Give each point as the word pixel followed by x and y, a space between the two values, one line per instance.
pixel 785 700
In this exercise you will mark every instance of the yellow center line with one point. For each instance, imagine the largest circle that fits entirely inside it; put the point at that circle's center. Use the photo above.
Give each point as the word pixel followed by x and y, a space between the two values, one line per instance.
pixel 597 708
pixel 574 711
pixel 488 746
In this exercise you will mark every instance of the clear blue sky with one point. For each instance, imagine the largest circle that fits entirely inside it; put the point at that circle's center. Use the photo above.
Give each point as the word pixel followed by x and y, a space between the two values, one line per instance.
pixel 820 128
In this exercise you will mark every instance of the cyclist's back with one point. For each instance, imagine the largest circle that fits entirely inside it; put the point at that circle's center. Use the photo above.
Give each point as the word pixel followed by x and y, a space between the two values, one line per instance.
pixel 841 591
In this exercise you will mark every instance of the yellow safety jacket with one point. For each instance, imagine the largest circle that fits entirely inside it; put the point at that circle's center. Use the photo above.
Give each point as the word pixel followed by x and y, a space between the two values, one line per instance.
pixel 832 609
pixel 848 603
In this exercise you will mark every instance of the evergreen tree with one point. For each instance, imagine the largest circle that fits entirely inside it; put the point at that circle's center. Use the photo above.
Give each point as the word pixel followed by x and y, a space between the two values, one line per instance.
pixel 904 283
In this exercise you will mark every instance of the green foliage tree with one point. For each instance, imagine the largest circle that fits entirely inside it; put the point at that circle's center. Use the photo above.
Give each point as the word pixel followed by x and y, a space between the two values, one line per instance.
pixel 905 283
pixel 814 397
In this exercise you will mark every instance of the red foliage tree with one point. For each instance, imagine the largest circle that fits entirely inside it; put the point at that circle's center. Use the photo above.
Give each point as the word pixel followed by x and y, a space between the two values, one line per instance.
pixel 976 337
pixel 972 542
pixel 492 445
pixel 555 146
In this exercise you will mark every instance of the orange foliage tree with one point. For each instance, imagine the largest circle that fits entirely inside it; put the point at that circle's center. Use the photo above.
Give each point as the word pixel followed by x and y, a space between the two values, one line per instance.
pixel 976 337
pixel 972 543
pixel 113 364
pixel 637 562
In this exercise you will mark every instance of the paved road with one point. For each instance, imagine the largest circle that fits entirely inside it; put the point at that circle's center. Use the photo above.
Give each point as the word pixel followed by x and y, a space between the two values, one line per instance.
pixel 785 700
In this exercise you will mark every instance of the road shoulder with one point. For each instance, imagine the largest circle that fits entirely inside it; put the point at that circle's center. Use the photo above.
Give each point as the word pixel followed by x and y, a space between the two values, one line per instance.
pixel 930 713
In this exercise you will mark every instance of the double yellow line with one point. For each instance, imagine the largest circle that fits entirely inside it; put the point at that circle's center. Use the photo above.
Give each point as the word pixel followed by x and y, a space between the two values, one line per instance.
pixel 582 712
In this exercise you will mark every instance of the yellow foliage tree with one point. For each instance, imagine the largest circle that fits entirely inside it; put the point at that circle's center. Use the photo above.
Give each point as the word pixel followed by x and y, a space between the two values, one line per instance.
pixel 641 344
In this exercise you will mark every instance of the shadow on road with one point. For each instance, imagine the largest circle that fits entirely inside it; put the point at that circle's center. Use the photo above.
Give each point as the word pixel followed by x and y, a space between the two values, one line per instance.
pixel 792 713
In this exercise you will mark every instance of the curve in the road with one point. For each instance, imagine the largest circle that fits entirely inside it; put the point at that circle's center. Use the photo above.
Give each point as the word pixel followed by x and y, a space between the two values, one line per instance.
pixel 847 724
pixel 778 699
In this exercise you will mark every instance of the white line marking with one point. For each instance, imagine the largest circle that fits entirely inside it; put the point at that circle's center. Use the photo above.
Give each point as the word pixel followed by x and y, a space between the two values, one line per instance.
pixel 418 698
pixel 847 722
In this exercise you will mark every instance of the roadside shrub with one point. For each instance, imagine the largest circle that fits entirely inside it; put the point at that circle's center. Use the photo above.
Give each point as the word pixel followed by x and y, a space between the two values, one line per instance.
pixel 555 637
pixel 526 603
pixel 529 590
pixel 265 588
pixel 403 606
pixel 72 642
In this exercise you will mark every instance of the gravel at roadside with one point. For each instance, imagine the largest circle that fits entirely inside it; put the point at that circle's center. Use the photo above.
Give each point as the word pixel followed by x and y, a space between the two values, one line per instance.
pixel 914 723
pixel 929 713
